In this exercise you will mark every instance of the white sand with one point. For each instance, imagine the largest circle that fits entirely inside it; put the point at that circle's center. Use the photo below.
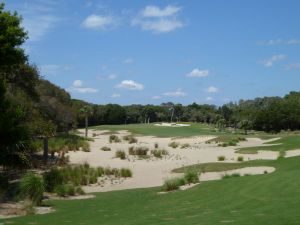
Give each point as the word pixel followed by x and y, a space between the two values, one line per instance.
pixel 292 153
pixel 152 172
pixel 172 125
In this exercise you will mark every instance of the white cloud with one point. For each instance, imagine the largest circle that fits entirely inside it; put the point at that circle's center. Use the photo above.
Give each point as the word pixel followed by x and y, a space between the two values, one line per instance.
pixel 154 11
pixel 292 66
pixel 280 42
pixel 212 89
pixel 156 97
pixel 209 98
pixel 270 61
pixel 53 69
pixel 77 87
pixel 112 77
pixel 130 85
pixel 127 61
pixel 177 93
pixel 198 73
pixel 115 95
pixel 157 20
pixel 99 22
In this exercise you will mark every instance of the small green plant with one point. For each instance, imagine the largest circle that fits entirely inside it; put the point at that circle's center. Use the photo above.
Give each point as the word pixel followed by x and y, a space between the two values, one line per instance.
pixel 104 148
pixel 221 158
pixel 240 159
pixel 173 144
pixel 124 172
pixel 79 190
pixel 61 190
pixel 131 139
pixel 173 184
pixel 231 176
pixel 186 145
pixel 155 145
pixel 232 143
pixel 158 153
pixel 191 176
pixel 32 187
pixel 140 151
pixel 120 154
pixel 114 139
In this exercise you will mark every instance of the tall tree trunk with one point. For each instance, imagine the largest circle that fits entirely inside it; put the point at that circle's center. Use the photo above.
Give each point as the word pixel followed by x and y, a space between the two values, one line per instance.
pixel 86 126
pixel 45 154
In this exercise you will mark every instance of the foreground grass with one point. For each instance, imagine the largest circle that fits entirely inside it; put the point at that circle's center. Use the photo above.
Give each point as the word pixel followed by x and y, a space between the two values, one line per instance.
pixel 262 199
pixel 285 143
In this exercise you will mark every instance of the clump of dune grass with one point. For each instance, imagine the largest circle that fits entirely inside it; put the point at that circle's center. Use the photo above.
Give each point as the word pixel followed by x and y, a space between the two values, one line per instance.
pixel 240 158
pixel 231 176
pixel 125 172
pixel 173 144
pixel 120 154
pixel 186 145
pixel 173 184
pixel 221 158
pixel 158 153
pixel 140 151
pixel 114 139
pixel 131 139
pixel 191 176
pixel 155 145
pixel 106 149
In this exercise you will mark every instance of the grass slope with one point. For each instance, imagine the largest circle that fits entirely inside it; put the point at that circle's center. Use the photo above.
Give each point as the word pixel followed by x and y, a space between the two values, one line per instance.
pixel 252 200
pixel 285 143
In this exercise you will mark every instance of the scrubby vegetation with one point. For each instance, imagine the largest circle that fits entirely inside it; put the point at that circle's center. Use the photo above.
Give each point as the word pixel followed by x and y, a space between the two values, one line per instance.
pixel 186 145
pixel 120 154
pixel 105 148
pixel 114 139
pixel 131 139
pixel 221 158
pixel 173 144
pixel 32 187
pixel 139 151
pixel 231 175
pixel 158 153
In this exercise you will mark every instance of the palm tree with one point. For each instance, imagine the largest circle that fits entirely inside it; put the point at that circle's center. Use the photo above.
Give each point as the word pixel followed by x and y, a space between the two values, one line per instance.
pixel 86 110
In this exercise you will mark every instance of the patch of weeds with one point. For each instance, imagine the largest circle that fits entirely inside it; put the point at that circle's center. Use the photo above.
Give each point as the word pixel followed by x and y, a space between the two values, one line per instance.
pixel 114 139
pixel 125 172
pixel 191 176
pixel 140 151
pixel 155 145
pixel 106 149
pixel 131 139
pixel 231 175
pixel 221 158
pixel 240 159
pixel 158 153
pixel 173 144
pixel 173 184
pixel 186 145
pixel 120 154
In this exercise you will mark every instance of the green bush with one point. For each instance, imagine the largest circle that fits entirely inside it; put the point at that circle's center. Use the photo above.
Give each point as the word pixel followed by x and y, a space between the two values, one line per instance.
pixel 32 187
pixel 191 176
pixel 130 139
pixel 61 190
pixel 104 148
pixel 186 145
pixel 155 145
pixel 173 144
pixel 52 178
pixel 79 190
pixel 124 172
pixel 240 159
pixel 232 143
pixel 114 138
pixel 232 175
pixel 221 158
pixel 158 153
pixel 173 184
pixel 141 151
pixel 70 189
pixel 120 154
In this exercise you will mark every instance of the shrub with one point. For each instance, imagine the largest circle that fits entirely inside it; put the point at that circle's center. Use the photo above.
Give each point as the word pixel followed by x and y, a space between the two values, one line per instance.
pixel 159 153
pixel 61 190
pixel 221 158
pixel 52 178
pixel 32 187
pixel 232 175
pixel 173 184
pixel 130 139
pixel 120 154
pixel 79 190
pixel 124 172
pixel 191 176
pixel 240 159
pixel 70 189
pixel 140 151
pixel 173 144
pixel 186 145
pixel 155 145
pixel 104 148
pixel 232 143
pixel 114 138
pixel 85 146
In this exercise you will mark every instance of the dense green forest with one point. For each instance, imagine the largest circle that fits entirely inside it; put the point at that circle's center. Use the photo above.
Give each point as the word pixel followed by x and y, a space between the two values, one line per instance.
pixel 33 108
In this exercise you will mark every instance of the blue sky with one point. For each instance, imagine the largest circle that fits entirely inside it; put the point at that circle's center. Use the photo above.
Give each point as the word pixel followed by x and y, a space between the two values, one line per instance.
pixel 149 52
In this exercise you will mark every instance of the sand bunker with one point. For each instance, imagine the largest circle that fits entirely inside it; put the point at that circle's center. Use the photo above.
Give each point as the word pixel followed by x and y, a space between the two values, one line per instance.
pixel 172 125
pixel 151 171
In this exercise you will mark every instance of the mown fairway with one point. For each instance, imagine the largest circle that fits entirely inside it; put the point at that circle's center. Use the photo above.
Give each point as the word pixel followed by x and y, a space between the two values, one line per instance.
pixel 151 129
pixel 259 200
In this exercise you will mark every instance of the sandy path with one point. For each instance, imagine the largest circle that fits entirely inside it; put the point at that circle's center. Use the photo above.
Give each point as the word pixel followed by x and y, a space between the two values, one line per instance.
pixel 152 172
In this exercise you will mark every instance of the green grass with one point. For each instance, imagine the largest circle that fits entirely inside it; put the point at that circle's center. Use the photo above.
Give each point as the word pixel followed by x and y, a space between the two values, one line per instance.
pixel 269 199
pixel 285 143
pixel 151 129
